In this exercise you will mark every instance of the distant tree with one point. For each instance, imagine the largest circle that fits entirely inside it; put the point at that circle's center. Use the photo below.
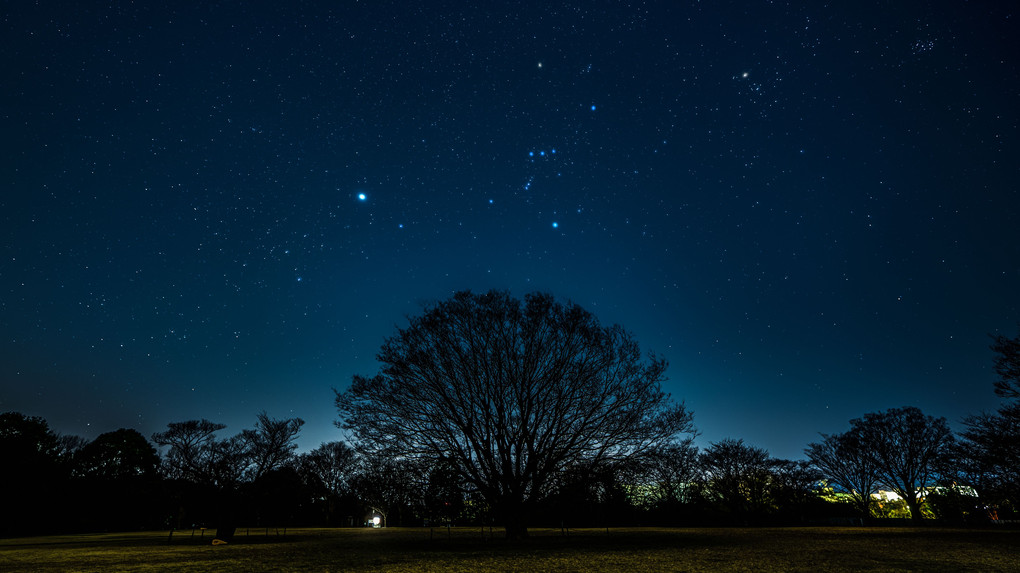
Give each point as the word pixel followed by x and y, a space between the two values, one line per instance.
pixel 511 393
pixel 1007 365
pixel 668 473
pixel 907 447
pixel 442 495
pixel 393 488
pixel 27 438
pixel 68 446
pixel 190 453
pixel 988 456
pixel 194 453
pixel 739 476
pixel 844 459
pixel 116 478
pixel 114 455
pixel 988 453
pixel 271 443
pixel 794 488
pixel 31 477
pixel 230 462
pixel 280 498
pixel 328 470
pixel 595 494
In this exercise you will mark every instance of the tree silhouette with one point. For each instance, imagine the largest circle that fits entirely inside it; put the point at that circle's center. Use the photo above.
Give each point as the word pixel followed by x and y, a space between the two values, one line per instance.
pixel 669 473
pixel 190 453
pixel 391 487
pixel 115 483
pixel 988 456
pixel 739 477
pixel 32 470
pixel 908 448
pixel 1007 365
pixel 509 393
pixel 848 465
pixel 794 488
pixel 329 471
pixel 123 453
pixel 195 454
pixel 271 444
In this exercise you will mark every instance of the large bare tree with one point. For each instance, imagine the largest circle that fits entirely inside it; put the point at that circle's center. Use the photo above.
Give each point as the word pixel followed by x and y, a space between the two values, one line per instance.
pixel 845 460
pixel 510 393
pixel 908 448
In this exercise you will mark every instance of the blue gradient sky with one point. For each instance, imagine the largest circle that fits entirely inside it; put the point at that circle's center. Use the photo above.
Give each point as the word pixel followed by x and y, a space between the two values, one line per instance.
pixel 809 210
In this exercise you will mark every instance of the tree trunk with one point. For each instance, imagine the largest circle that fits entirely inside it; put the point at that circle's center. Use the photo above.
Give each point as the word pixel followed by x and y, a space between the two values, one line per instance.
pixel 514 519
pixel 225 530
pixel 865 507
pixel 915 509
pixel 516 529
pixel 226 521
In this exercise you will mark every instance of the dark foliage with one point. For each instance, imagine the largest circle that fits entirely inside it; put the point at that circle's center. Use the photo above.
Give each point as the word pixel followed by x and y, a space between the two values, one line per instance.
pixel 33 474
pixel 392 488
pixel 329 471
pixel 562 413
pixel 738 477
pixel 222 466
pixel 123 454
pixel 115 480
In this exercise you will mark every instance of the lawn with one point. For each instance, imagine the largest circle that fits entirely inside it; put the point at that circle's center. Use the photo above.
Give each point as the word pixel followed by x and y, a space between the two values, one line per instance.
pixel 639 549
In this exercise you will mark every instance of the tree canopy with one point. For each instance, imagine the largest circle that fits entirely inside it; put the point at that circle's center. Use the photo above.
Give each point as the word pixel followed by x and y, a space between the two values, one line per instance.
pixel 907 448
pixel 846 462
pixel 1007 365
pixel 510 393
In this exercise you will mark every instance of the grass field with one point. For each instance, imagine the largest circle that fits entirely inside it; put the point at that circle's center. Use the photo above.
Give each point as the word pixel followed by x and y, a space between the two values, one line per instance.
pixel 640 549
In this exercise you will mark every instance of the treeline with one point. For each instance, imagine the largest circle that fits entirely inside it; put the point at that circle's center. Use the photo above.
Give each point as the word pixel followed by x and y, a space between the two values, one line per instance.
pixel 255 479
pixel 460 429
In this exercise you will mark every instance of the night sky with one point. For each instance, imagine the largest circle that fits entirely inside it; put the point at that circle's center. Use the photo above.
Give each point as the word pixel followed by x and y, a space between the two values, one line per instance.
pixel 810 210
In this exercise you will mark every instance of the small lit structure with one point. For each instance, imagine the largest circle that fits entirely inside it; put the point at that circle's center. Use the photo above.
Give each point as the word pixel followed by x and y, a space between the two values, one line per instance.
pixel 376 519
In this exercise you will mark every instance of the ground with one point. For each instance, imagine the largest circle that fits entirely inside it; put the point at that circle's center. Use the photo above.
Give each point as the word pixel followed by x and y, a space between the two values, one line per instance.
pixel 830 549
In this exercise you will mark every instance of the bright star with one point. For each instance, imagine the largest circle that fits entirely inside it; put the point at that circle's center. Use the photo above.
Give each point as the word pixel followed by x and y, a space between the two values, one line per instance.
pixel 555 225
pixel 362 197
